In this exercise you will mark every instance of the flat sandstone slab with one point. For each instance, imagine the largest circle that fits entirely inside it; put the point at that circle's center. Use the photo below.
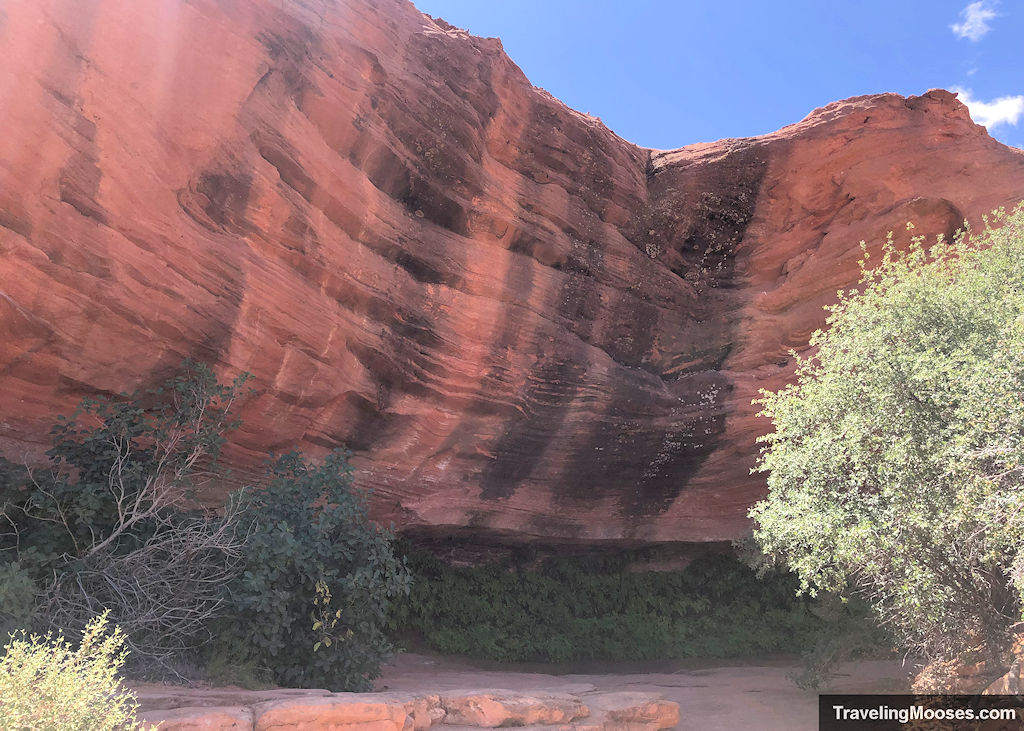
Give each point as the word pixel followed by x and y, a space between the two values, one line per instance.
pixel 491 708
pixel 494 708
pixel 201 718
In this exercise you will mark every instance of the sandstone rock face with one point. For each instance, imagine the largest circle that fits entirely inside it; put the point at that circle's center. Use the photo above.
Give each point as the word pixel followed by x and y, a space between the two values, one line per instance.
pixel 524 326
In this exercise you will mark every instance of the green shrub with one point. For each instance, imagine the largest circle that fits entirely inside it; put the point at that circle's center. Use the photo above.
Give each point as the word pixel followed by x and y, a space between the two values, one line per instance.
pixel 596 608
pixel 45 683
pixel 111 521
pixel 896 467
pixel 310 529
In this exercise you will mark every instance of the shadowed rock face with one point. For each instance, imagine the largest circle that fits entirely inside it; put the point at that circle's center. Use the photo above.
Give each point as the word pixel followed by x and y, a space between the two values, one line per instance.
pixel 524 326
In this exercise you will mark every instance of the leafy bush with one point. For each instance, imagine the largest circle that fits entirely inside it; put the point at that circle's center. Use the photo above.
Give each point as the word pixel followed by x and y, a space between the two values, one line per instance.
pixel 47 683
pixel 895 468
pixel 319 579
pixel 112 522
pixel 596 608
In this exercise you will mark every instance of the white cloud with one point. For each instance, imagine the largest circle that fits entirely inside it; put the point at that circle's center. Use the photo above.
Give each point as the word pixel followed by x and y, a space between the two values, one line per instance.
pixel 975 21
pixel 1004 110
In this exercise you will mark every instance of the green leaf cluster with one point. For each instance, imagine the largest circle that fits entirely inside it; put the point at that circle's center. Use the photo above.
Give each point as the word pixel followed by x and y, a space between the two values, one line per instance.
pixel 310 539
pixel 102 459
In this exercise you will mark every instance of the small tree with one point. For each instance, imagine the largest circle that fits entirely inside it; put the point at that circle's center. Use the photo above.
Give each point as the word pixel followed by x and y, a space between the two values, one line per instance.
pixel 895 466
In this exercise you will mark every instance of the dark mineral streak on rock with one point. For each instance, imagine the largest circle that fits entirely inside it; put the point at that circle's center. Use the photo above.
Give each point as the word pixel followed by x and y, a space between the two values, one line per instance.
pixel 552 384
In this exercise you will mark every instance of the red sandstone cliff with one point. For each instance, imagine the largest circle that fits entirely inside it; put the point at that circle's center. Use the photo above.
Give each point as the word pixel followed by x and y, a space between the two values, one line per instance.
pixel 521 323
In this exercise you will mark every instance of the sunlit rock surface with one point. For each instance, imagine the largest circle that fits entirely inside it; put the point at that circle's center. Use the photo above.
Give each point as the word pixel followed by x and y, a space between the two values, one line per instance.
pixel 525 327
pixel 582 709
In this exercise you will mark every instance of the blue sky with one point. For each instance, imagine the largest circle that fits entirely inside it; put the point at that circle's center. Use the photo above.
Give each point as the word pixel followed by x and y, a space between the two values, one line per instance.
pixel 666 73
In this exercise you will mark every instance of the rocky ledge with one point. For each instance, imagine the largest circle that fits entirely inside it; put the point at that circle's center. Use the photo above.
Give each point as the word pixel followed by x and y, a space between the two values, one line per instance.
pixel 578 708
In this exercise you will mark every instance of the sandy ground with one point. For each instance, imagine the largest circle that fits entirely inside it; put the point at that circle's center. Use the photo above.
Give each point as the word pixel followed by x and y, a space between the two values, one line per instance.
pixel 713 696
